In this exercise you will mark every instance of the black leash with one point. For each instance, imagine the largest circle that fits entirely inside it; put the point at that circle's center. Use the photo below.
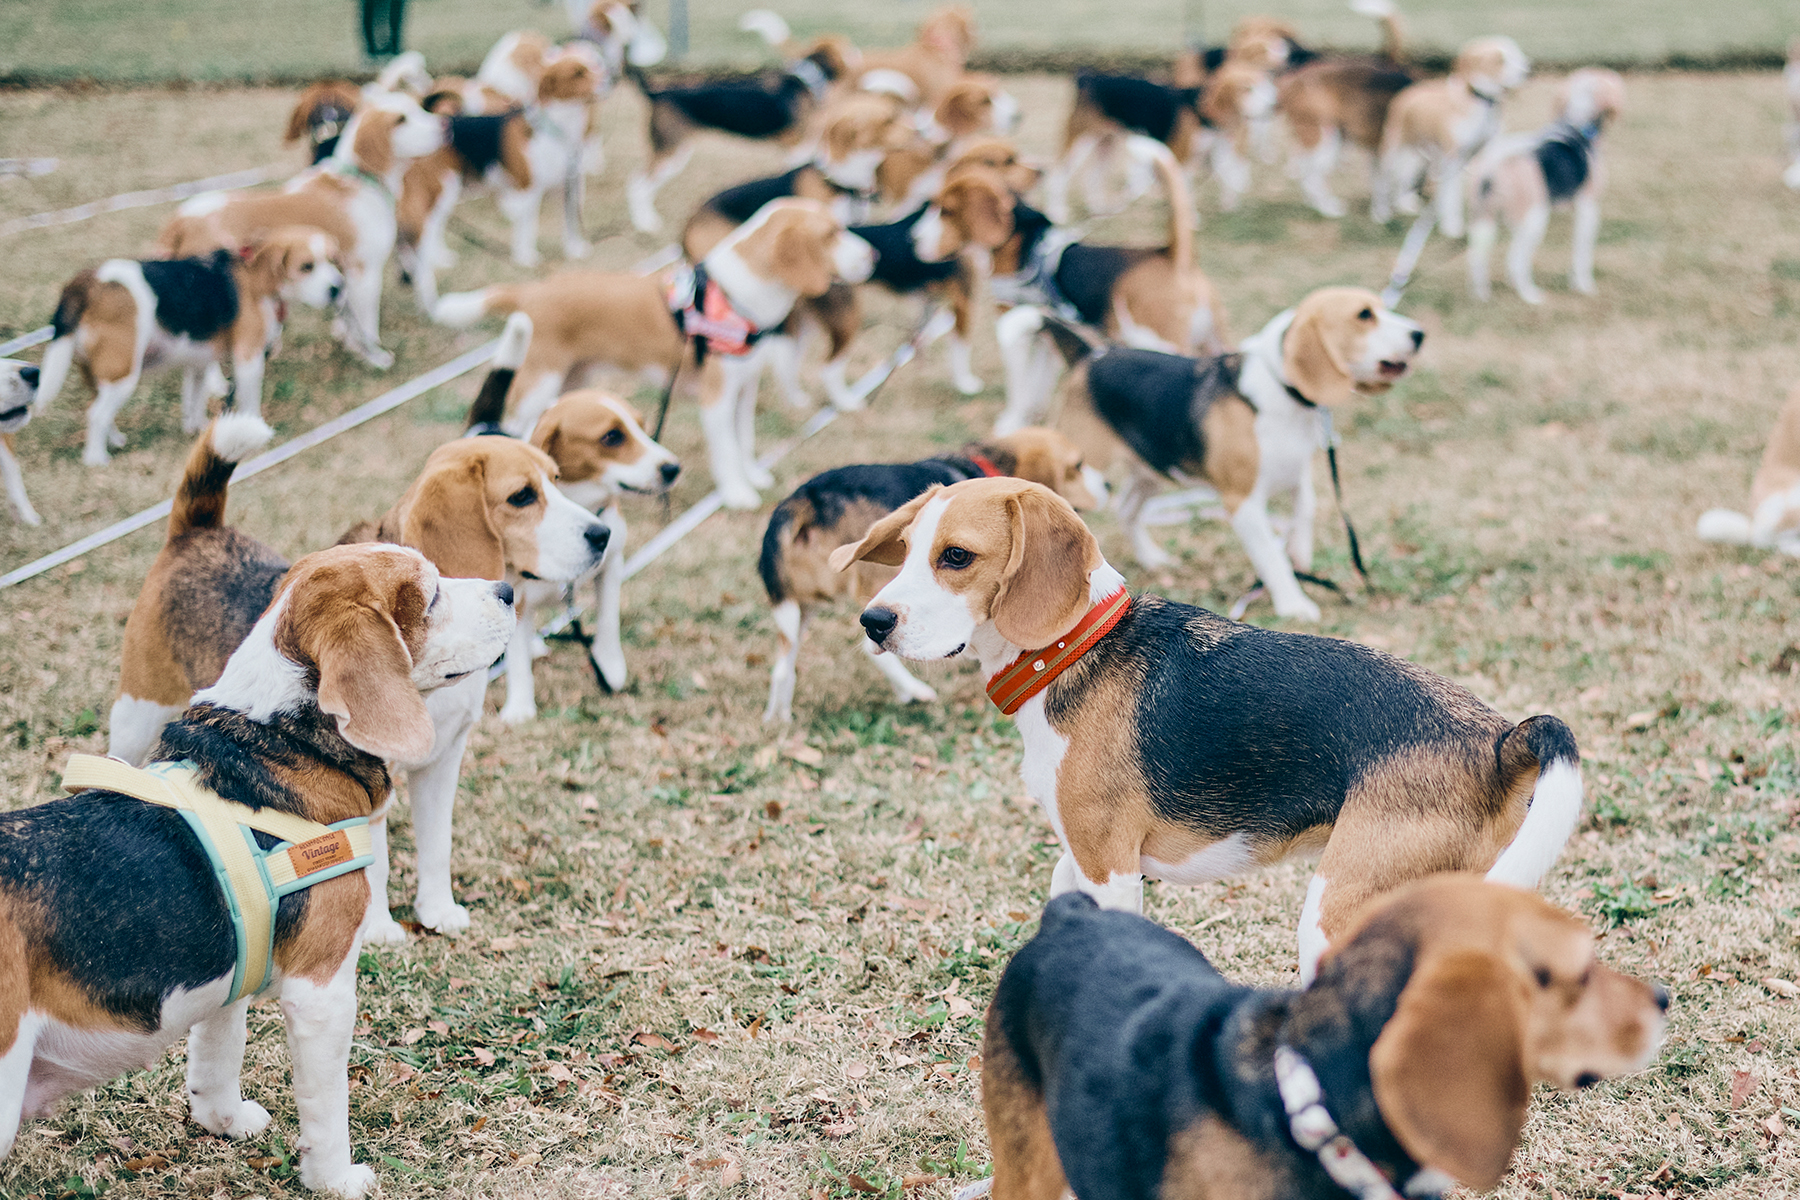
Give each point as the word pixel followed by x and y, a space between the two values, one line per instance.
pixel 1337 486
pixel 662 410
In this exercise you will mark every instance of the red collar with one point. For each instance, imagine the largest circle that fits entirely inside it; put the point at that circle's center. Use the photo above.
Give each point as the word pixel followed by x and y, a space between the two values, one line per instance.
pixel 1032 671
pixel 986 466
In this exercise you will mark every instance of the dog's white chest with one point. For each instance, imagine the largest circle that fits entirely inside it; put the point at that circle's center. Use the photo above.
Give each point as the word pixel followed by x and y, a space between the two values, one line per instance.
pixel 1040 759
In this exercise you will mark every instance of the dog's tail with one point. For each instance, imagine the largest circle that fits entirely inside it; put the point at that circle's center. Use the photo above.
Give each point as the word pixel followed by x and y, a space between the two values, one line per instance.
pixel 1715 525
pixel 490 403
pixel 1181 204
pixel 459 310
pixel 1393 33
pixel 60 355
pixel 767 25
pixel 1544 745
pixel 787 524
pixel 200 500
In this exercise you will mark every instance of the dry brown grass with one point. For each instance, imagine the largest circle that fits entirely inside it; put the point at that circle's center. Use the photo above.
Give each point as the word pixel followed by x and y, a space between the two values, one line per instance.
pixel 753 961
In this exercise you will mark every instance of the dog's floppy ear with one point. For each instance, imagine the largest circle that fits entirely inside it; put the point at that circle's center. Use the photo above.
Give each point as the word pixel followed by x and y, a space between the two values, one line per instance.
pixel 374 142
pixel 882 543
pixel 301 116
pixel 1448 1069
pixel 446 517
pixel 1044 591
pixel 985 206
pixel 1312 356
pixel 801 259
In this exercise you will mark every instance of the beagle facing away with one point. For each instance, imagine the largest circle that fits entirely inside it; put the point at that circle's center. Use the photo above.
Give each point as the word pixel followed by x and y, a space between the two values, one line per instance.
pixel 482 507
pixel 837 507
pixel 125 317
pixel 1774 517
pixel 1165 741
pixel 117 937
pixel 1119 1064
pixel 18 390
pixel 1523 176
pixel 1249 423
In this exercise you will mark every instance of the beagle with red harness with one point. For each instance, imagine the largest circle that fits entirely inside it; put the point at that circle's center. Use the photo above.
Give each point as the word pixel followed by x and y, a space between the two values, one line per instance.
pixel 1167 742
pixel 156 905
pixel 1120 1065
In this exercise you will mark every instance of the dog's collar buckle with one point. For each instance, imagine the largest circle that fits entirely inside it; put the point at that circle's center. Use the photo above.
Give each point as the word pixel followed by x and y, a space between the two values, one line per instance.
pixel 1034 670
pixel 1315 1131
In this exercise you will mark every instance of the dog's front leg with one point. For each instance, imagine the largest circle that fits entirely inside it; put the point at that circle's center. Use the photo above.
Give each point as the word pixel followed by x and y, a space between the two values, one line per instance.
pixel 1300 532
pixel 521 697
pixel 247 383
pixel 1586 234
pixel 607 655
pixel 379 926
pixel 1528 234
pixel 432 790
pixel 215 1061
pixel 744 375
pixel 1251 523
pixel 319 1020
pixel 14 481
pixel 193 400
pixel 908 688
pixel 1017 330
pixel 1122 892
pixel 362 316
pixel 521 208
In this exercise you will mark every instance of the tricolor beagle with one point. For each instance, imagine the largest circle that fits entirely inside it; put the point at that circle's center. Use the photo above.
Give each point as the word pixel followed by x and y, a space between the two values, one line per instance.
pixel 126 316
pixel 118 935
pixel 1523 176
pixel 1250 423
pixel 837 507
pixel 1165 741
pixel 678 320
pixel 18 389
pixel 1774 517
pixel 927 67
pixel 320 115
pixel 1120 1065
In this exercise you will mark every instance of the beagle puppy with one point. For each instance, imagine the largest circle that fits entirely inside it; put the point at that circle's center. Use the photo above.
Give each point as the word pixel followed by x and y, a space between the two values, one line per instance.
pixel 115 931
pixel 351 196
pixel 482 507
pixel 1439 125
pixel 1523 176
pixel 1165 741
pixel 18 388
pixel 1119 1064
pixel 703 322
pixel 320 115
pixel 1774 516
pixel 1249 424
pixel 127 316
pixel 838 507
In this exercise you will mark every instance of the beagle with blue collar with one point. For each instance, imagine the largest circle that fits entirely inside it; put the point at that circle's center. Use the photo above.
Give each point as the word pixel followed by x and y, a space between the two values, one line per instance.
pixel 124 923
pixel 1120 1065
pixel 1167 742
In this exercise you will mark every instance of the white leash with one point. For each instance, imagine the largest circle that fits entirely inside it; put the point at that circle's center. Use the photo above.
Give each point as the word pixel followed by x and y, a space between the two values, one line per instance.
pixel 26 341
pixel 144 199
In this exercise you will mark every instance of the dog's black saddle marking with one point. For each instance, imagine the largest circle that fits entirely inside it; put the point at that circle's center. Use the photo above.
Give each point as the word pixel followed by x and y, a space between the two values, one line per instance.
pixel 1086 276
pixel 738 204
pixel 1565 156
pixel 753 110
pixel 1158 402
pixel 477 138
pixel 195 297
pixel 897 265
pixel 1138 104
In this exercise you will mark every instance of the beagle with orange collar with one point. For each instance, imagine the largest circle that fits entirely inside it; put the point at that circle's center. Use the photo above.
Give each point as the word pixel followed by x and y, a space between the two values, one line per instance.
pixel 1773 521
pixel 708 318
pixel 1167 742
pixel 482 507
pixel 126 316
pixel 1120 1065
pixel 838 506
pixel 1249 424
pixel 116 937
pixel 351 196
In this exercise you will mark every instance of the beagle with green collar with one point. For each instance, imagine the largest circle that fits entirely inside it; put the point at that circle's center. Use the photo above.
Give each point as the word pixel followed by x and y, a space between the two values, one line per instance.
pixel 1167 742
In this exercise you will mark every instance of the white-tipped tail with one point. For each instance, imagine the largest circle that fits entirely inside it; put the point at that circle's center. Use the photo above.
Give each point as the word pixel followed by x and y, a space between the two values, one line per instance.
pixel 515 340
pixel 54 371
pixel 236 436
pixel 1378 9
pixel 1714 525
pixel 767 25
pixel 459 310
pixel 1555 808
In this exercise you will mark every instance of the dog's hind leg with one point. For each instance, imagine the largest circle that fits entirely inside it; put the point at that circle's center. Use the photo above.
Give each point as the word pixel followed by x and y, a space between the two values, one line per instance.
pixel 15 1059
pixel 1586 234
pixel 14 482
pixel 607 654
pixel 790 628
pixel 1527 235
pixel 101 418
pixel 641 188
pixel 215 1063
pixel 1483 232
pixel 1132 499
pixel 320 1018
pixel 908 688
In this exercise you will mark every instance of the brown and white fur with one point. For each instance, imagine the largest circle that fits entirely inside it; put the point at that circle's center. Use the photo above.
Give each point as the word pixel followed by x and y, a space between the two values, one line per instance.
pixel 924 69
pixel 1437 126
pixel 115 324
pixel 619 32
pixel 352 196
pixel 1774 517
pixel 1508 180
pixel 331 680
pixel 583 320
pixel 18 388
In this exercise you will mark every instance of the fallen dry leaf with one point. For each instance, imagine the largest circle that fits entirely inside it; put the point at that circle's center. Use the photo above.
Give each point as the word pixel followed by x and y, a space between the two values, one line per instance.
pixel 863 1185
pixel 909 1182
pixel 655 1041
pixel 258 1164
pixel 530 1158
pixel 484 1056
pixel 1742 1084
pixel 437 1026
pixel 857 1070
pixel 731 1176
pixel 412 1037
pixel 479 1125
pixel 503 944
pixel 1774 1126
pixel 705 1035
pixel 810 756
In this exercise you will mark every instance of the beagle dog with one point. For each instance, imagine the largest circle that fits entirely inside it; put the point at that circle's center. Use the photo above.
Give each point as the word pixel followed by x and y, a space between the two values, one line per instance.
pixel 1523 176
pixel 1165 741
pixel 1119 1064
pixel 619 32
pixel 320 115
pixel 18 389
pixel 127 316
pixel 923 70
pixel 1774 516
pixel 1249 424
pixel 838 507
pixel 115 931
pixel 482 507
pixel 351 196
pixel 703 321
pixel 601 451
pixel 1341 98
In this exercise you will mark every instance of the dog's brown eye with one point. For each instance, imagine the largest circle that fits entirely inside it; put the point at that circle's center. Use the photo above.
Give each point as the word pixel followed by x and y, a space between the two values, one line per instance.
pixel 525 497
pixel 1543 977
pixel 306 268
pixel 613 437
pixel 955 558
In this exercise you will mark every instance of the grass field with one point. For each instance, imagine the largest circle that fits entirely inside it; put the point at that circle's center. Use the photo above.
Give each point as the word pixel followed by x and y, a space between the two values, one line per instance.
pixel 711 959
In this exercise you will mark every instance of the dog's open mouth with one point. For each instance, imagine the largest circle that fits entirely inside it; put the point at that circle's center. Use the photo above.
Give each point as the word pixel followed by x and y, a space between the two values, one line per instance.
pixel 960 647
pixel 13 414
pixel 1392 370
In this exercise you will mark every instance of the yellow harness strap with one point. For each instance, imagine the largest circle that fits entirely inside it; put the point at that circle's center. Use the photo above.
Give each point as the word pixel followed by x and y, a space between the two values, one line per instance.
pixel 253 879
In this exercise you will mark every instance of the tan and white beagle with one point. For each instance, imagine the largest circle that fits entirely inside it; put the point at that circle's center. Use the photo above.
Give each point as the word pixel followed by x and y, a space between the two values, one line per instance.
pixel 921 71
pixel 1774 517
pixel 116 937
pixel 351 196
pixel 1165 741
pixel 18 389
pixel 126 317
pixel 652 325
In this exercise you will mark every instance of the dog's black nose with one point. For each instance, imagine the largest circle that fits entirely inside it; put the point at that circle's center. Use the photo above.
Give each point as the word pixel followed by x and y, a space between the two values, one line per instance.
pixel 504 592
pixel 1661 995
pixel 1418 338
pixel 336 291
pixel 878 623
pixel 597 537
pixel 29 375
pixel 670 471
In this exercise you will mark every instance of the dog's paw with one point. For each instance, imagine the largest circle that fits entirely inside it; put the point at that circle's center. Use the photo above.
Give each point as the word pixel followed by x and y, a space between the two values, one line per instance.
pixel 376 357
pixel 28 516
pixel 518 714
pixel 609 671
pixel 574 250
pixel 916 692
pixel 759 477
pixel 1531 296
pixel 1584 286
pixel 95 458
pixel 442 916
pixel 743 498
pixel 353 1181
pixel 382 930
pixel 1299 609
pixel 968 385
pixel 116 437
pixel 247 1120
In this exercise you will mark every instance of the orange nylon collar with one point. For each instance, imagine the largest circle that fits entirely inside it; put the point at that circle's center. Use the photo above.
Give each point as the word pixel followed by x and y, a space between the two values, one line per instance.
pixel 1032 671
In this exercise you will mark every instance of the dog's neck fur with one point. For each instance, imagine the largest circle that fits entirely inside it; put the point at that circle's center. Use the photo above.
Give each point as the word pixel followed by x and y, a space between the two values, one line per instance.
pixel 996 653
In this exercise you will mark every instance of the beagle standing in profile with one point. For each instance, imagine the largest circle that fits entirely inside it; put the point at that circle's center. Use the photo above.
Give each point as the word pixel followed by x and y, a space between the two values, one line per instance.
pixel 18 389
pixel 1167 742
pixel 1773 521
pixel 1523 176
pixel 1247 423
pixel 117 936
pixel 1120 1065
